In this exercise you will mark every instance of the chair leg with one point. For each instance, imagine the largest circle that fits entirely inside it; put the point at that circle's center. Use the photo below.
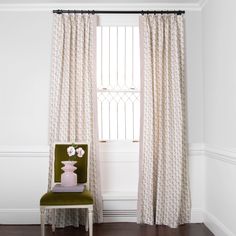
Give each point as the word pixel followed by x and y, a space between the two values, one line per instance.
pixel 53 219
pixel 42 217
pixel 86 220
pixel 90 213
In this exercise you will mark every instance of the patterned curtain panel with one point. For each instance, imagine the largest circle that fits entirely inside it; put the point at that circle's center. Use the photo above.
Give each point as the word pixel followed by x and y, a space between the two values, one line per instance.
pixel 73 111
pixel 164 196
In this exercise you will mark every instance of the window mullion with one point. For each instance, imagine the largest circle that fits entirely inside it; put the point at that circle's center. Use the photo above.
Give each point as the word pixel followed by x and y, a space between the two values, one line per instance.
pixel 117 94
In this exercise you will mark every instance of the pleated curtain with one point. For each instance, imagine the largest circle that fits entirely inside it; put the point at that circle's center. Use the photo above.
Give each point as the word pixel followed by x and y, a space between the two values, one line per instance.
pixel 73 101
pixel 163 195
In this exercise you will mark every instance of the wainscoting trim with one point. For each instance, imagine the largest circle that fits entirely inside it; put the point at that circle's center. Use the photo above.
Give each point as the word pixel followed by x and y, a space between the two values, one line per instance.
pixel 118 206
pixel 220 154
pixel 196 149
pixel 24 151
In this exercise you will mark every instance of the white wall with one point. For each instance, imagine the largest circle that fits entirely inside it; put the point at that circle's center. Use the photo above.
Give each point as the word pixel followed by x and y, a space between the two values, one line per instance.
pixel 219 47
pixel 220 72
pixel 25 45
pixel 194 76
pixel 25 64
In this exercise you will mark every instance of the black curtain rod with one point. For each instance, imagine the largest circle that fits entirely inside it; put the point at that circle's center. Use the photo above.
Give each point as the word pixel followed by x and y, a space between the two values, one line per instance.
pixel 117 12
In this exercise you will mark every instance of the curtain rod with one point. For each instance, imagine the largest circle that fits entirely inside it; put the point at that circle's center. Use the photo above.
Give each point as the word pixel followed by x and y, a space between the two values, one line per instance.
pixel 179 12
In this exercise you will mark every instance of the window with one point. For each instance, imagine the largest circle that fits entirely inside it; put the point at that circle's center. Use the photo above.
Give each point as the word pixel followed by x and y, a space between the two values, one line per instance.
pixel 118 82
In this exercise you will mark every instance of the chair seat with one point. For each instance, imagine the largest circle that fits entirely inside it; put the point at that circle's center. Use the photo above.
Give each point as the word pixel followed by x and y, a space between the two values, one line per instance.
pixel 66 198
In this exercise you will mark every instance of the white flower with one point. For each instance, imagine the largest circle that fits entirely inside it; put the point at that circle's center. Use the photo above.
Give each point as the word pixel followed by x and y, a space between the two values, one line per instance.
pixel 80 152
pixel 71 151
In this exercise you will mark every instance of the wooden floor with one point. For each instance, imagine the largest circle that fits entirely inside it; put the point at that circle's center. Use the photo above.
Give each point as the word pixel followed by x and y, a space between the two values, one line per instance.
pixel 109 229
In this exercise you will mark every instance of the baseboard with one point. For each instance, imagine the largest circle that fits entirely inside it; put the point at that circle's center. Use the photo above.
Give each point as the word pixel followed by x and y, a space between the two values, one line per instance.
pixel 117 214
pixel 216 226
pixel 227 157
pixel 31 216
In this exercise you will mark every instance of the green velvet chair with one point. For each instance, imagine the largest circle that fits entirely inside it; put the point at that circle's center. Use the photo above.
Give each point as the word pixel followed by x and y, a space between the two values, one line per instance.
pixel 53 201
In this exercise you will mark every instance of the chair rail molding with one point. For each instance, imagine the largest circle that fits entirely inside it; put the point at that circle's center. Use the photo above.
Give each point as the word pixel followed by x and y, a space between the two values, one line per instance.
pixel 42 151
pixel 221 154
pixel 24 151
pixel 195 149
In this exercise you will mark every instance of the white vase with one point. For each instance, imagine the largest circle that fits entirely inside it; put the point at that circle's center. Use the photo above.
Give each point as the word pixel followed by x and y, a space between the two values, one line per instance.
pixel 68 178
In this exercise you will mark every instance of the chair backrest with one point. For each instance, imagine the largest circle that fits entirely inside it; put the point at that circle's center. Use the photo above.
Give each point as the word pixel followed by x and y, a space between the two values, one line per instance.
pixel 60 154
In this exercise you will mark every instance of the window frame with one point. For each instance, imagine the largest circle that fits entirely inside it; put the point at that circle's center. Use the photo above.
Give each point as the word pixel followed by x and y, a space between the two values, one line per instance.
pixel 119 20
